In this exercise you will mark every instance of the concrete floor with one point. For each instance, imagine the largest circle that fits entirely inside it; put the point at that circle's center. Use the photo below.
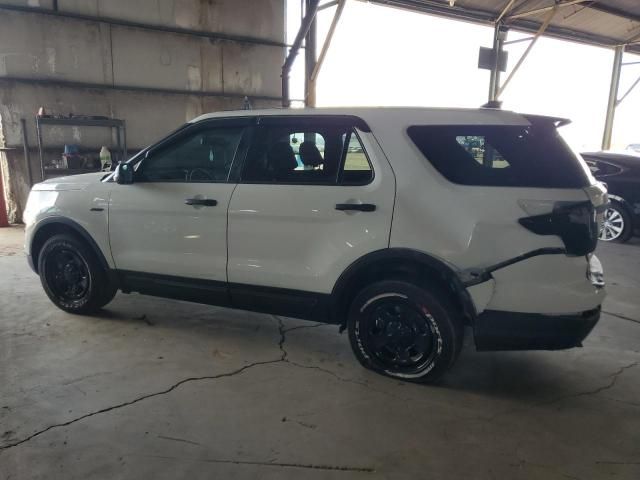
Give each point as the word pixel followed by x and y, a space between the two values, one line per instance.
pixel 158 389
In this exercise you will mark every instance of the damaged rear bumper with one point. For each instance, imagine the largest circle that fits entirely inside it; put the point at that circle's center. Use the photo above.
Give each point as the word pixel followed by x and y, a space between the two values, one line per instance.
pixel 501 330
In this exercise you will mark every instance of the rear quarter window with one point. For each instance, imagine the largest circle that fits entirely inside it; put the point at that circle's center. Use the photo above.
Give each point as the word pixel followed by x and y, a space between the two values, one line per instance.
pixel 500 155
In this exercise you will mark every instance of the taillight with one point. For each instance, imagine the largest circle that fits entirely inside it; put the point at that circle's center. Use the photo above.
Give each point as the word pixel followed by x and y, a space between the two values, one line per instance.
pixel 597 194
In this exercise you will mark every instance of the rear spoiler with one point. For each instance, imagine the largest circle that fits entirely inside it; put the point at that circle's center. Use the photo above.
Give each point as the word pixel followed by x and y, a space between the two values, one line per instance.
pixel 557 121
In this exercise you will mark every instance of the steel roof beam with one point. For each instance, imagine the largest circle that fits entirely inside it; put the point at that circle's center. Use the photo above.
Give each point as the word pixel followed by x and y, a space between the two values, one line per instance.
pixel 545 9
pixel 535 38
pixel 311 94
pixel 308 19
pixel 525 24
pixel 613 98
pixel 505 10
pixel 635 84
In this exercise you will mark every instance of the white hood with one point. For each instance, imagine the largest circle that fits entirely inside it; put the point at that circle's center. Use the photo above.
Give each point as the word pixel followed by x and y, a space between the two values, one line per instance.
pixel 72 182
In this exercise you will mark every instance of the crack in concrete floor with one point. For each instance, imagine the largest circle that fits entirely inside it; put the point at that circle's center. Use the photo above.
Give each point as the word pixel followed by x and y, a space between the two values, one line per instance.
pixel 283 359
pixel 614 378
pixel 311 466
pixel 137 400
pixel 621 317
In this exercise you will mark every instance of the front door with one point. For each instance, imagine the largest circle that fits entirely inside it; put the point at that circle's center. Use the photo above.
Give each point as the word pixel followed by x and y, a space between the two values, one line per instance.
pixel 169 228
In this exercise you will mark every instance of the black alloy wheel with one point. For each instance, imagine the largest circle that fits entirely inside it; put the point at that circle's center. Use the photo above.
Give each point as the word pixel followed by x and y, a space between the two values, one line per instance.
pixel 404 330
pixel 67 275
pixel 72 276
pixel 399 335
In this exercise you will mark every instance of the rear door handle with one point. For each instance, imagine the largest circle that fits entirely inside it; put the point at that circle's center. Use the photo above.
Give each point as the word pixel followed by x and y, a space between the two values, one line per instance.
pixel 360 207
pixel 207 202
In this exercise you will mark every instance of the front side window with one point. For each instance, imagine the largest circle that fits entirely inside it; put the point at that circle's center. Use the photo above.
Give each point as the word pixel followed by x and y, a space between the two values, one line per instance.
pixel 204 156
pixel 313 154
pixel 500 155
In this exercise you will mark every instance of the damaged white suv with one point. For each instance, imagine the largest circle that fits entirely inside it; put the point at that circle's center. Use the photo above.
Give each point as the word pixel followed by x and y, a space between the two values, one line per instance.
pixel 401 225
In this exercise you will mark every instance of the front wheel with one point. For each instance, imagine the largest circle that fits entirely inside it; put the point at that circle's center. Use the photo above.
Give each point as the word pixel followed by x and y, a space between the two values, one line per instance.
pixel 616 224
pixel 72 276
pixel 405 331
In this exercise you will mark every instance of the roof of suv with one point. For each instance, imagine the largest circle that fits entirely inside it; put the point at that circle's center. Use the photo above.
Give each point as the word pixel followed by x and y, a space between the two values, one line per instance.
pixel 392 115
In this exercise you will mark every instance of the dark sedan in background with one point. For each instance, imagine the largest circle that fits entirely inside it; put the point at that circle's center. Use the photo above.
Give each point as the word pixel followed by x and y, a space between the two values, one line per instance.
pixel 621 173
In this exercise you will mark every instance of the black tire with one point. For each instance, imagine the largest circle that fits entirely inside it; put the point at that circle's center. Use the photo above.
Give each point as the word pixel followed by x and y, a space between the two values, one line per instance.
pixel 108 294
pixel 72 275
pixel 616 216
pixel 404 331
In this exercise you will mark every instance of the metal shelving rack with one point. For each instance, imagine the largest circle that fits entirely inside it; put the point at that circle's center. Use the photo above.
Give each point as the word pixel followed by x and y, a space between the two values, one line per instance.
pixel 80 121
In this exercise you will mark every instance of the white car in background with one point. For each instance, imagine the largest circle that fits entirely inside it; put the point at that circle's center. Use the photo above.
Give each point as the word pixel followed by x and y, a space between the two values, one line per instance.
pixel 405 227
pixel 634 147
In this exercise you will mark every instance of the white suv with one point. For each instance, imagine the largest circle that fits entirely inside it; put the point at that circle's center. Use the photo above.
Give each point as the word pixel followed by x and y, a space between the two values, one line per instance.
pixel 401 225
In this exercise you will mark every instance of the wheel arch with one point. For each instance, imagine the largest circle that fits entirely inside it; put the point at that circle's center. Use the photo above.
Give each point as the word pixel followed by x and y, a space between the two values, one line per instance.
pixel 622 202
pixel 55 225
pixel 398 263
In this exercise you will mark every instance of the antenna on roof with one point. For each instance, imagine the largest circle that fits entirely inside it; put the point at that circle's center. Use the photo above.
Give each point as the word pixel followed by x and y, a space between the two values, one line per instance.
pixel 246 104
pixel 493 104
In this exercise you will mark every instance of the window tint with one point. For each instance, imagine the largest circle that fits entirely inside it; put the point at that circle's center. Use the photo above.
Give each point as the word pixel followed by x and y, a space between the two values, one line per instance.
pixel 289 154
pixel 501 155
pixel 204 156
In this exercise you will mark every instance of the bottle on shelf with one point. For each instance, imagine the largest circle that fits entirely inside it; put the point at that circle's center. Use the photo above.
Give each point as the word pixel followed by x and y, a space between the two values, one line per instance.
pixel 105 159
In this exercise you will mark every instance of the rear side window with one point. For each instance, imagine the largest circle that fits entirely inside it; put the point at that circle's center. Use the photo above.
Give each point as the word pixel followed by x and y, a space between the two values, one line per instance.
pixel 309 152
pixel 356 169
pixel 500 155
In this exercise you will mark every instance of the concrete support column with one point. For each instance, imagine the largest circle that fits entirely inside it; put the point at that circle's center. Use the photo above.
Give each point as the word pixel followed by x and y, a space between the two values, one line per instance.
pixel 4 221
pixel 613 97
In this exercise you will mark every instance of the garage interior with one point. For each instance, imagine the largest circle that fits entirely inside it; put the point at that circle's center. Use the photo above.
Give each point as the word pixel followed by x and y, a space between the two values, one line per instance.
pixel 166 389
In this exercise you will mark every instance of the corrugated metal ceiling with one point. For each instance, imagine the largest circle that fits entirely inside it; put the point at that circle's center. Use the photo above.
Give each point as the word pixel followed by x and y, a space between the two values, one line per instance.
pixel 596 22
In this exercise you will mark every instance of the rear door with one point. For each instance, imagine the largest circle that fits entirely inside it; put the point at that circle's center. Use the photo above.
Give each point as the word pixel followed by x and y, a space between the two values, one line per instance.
pixel 315 194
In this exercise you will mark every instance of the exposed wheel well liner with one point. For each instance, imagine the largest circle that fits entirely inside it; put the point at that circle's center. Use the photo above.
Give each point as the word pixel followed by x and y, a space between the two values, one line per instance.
pixel 54 225
pixel 399 264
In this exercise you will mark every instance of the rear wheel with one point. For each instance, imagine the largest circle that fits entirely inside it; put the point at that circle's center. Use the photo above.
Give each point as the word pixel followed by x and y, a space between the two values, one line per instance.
pixel 616 225
pixel 72 276
pixel 405 331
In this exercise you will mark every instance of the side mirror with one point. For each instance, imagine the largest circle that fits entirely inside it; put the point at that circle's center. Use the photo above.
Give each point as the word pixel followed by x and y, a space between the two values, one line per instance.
pixel 124 174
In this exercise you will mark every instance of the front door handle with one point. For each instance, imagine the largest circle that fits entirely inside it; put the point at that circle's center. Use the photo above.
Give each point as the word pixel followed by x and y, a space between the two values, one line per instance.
pixel 207 202
pixel 360 207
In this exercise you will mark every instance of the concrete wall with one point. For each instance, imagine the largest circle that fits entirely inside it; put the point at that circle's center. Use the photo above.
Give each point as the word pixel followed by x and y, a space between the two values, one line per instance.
pixel 153 63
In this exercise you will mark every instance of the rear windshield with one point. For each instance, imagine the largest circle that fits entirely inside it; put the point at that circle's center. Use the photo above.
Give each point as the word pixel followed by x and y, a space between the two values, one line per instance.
pixel 500 155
